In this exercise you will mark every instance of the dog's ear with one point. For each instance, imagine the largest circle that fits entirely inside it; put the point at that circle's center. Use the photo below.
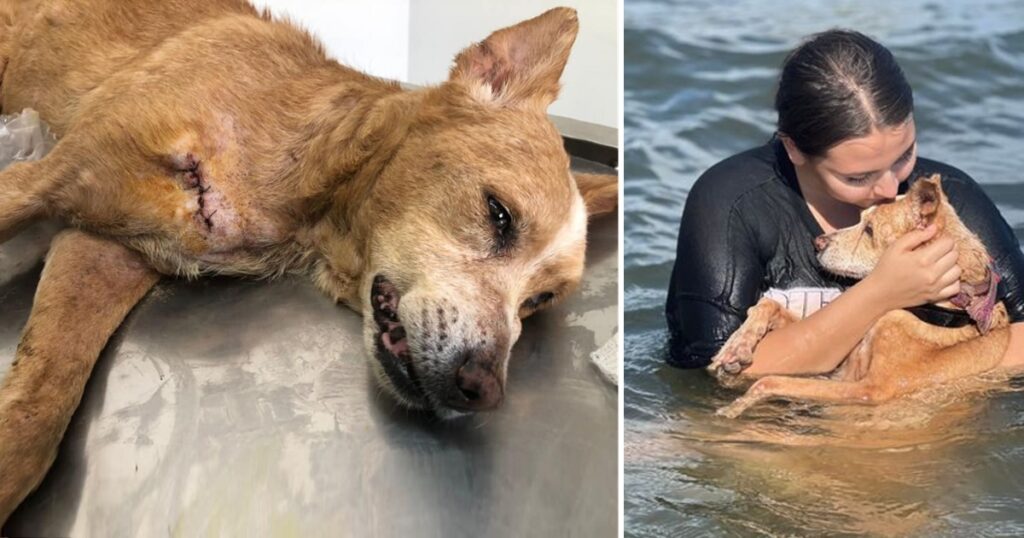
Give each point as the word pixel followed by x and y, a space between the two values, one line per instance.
pixel 520 65
pixel 926 194
pixel 600 192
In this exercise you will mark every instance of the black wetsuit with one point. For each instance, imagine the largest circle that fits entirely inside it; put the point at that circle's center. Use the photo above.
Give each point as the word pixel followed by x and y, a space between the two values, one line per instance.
pixel 746 228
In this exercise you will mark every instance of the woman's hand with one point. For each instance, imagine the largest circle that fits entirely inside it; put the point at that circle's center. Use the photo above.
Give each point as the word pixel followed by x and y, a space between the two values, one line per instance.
pixel 911 273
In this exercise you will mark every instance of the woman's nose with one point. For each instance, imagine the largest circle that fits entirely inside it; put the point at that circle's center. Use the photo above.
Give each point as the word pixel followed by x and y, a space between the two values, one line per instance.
pixel 887 186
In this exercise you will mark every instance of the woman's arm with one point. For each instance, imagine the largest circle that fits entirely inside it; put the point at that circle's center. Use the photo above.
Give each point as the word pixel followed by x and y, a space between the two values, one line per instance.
pixel 908 274
pixel 819 342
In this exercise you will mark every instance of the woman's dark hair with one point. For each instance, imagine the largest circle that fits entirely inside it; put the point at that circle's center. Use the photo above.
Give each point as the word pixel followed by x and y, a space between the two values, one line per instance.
pixel 837 85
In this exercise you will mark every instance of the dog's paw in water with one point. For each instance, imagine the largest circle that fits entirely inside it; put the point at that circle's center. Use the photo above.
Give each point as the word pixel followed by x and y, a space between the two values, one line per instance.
pixel 763 389
pixel 733 410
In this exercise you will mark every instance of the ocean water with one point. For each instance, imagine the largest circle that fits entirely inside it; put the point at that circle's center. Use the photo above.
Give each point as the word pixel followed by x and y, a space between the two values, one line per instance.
pixel 700 79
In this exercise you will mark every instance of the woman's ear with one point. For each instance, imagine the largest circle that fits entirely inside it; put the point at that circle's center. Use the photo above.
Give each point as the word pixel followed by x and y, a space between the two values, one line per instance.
pixel 600 192
pixel 795 155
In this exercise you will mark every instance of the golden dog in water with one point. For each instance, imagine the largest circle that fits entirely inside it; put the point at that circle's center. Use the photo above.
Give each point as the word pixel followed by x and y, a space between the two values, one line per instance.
pixel 200 136
pixel 900 354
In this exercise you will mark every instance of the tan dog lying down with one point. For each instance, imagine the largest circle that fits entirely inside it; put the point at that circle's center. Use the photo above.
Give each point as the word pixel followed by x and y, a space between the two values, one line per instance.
pixel 900 354
pixel 200 136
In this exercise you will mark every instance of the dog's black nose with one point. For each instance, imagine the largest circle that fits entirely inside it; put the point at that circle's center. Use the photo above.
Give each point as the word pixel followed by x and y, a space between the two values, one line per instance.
pixel 476 385
pixel 821 242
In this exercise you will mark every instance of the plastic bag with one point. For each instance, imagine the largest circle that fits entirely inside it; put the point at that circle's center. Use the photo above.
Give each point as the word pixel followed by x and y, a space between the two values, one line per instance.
pixel 24 137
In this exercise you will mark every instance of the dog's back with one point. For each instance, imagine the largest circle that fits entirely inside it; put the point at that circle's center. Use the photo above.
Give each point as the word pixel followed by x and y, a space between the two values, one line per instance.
pixel 93 40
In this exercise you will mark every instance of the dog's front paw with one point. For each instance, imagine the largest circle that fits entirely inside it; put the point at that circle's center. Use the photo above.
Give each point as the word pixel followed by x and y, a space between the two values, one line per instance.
pixel 735 356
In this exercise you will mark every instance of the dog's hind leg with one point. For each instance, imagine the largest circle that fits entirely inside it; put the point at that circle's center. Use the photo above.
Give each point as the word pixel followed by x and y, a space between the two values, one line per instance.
pixel 777 387
pixel 87 287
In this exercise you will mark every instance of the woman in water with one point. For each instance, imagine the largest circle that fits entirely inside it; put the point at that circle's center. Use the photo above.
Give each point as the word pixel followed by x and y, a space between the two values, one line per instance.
pixel 846 140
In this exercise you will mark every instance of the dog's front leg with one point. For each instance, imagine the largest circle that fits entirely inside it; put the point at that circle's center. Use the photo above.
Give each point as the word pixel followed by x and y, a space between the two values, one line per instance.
pixel 24 191
pixel 738 351
pixel 87 287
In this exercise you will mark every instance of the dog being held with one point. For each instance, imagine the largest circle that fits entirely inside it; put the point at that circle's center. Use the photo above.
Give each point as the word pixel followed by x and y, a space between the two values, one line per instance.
pixel 900 354
pixel 201 136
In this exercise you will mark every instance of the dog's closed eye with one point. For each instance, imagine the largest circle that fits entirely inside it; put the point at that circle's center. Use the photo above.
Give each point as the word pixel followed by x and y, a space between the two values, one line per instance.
pixel 538 300
pixel 868 231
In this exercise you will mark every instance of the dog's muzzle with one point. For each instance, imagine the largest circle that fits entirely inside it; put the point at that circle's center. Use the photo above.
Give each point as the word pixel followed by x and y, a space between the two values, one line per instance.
pixel 469 383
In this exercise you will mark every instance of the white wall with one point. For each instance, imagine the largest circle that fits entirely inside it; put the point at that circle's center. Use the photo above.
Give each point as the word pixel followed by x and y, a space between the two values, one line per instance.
pixel 416 40
pixel 439 29
pixel 369 35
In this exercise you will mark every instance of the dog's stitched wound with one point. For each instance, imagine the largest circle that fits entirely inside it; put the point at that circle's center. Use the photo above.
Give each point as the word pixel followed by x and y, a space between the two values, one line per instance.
pixel 190 168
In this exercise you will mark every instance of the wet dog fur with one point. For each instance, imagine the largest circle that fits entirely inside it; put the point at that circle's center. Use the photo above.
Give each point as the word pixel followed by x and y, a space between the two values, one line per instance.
pixel 900 354
pixel 203 137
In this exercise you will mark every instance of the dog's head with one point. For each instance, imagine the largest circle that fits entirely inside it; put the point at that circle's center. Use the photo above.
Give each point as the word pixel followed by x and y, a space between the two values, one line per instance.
pixel 474 223
pixel 855 251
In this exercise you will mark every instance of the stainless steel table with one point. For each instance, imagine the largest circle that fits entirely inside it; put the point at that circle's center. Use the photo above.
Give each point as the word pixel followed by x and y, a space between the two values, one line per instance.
pixel 228 407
